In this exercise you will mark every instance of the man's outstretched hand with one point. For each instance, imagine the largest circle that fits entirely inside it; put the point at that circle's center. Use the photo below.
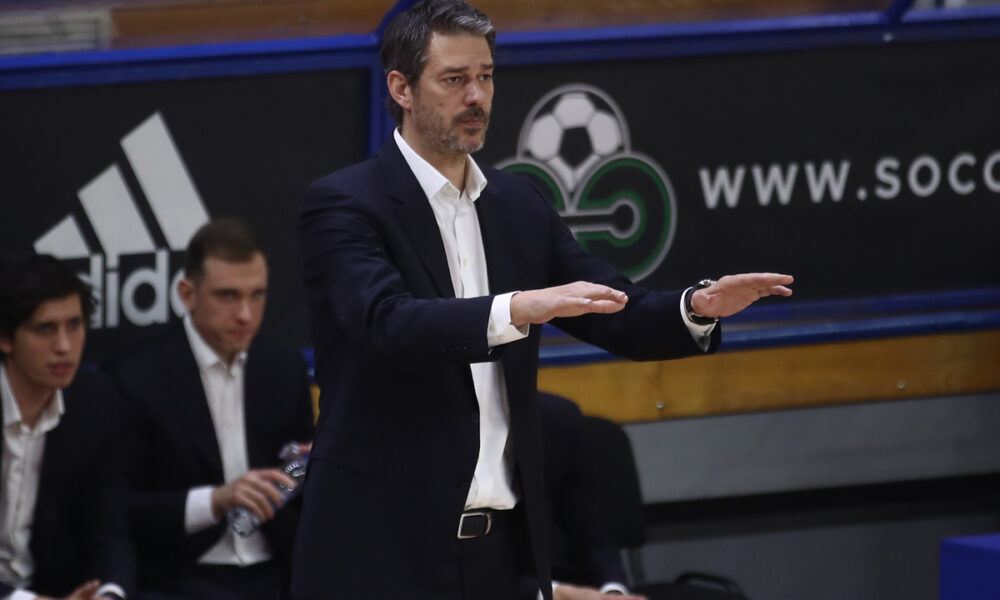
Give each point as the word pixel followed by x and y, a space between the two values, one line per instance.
pixel 726 297
pixel 732 293
pixel 570 300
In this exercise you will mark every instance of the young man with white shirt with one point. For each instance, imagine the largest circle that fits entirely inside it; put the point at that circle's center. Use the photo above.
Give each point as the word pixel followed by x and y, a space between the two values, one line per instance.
pixel 62 525
pixel 428 277
pixel 207 409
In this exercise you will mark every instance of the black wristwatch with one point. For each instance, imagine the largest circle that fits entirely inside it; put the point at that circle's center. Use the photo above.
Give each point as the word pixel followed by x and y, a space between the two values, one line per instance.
pixel 695 317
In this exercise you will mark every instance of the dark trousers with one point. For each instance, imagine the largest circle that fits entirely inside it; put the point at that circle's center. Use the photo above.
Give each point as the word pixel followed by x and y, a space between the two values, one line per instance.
pixel 263 581
pixel 491 566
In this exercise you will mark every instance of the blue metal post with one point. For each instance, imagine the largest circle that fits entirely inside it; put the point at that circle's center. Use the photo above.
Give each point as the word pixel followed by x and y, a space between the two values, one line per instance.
pixel 896 10
pixel 380 124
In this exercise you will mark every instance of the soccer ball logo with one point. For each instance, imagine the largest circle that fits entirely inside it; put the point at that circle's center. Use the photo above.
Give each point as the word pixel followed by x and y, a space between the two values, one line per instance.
pixel 571 130
pixel 618 203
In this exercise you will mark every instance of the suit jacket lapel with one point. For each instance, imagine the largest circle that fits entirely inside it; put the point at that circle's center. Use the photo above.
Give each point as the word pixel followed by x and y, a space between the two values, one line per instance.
pixel 491 223
pixel 184 387
pixel 416 216
pixel 51 477
pixel 256 393
pixel 58 463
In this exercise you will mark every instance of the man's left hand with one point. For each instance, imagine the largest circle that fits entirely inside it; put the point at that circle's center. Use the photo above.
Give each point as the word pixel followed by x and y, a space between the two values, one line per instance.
pixel 572 592
pixel 733 293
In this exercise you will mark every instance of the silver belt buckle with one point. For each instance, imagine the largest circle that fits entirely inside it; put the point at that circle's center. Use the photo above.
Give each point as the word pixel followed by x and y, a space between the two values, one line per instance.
pixel 478 513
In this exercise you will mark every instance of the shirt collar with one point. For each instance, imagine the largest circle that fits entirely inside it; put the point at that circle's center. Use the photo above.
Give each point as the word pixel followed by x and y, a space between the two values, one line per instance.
pixel 49 418
pixel 431 180
pixel 204 355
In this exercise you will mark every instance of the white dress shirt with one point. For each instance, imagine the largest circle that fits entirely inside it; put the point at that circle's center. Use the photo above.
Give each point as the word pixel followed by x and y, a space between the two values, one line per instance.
pixel 20 475
pixel 455 212
pixel 223 386
pixel 23 449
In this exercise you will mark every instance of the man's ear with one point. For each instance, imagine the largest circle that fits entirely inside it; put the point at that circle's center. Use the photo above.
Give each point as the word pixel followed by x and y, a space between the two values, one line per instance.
pixel 6 342
pixel 399 89
pixel 185 290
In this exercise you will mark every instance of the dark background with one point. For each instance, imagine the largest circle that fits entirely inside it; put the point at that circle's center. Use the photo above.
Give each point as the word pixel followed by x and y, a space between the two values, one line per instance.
pixel 857 104
pixel 251 145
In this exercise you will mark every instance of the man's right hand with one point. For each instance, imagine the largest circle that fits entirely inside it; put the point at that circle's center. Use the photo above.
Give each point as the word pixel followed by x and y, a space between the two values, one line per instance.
pixel 570 300
pixel 571 592
pixel 84 592
pixel 255 491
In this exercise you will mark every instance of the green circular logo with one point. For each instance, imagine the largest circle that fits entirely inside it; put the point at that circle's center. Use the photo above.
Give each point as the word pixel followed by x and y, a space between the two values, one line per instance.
pixel 618 203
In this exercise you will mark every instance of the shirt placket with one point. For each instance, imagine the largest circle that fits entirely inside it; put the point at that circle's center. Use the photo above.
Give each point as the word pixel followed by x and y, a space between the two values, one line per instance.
pixel 29 447
pixel 241 545
pixel 13 484
pixel 465 231
pixel 465 236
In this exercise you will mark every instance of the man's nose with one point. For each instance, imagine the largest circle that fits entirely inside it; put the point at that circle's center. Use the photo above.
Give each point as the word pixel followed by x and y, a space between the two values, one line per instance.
pixel 63 342
pixel 243 311
pixel 474 93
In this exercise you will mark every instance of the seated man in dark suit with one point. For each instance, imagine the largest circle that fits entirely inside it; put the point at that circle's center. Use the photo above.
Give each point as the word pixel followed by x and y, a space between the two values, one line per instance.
pixel 583 566
pixel 207 409
pixel 62 520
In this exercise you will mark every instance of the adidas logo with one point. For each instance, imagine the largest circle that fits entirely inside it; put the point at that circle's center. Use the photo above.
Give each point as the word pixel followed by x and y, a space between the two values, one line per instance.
pixel 120 229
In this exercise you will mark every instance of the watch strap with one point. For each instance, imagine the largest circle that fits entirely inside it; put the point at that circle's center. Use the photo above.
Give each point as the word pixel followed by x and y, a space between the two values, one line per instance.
pixel 691 314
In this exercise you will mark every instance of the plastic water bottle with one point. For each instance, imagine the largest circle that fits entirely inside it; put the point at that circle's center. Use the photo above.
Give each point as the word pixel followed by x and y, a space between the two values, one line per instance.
pixel 244 522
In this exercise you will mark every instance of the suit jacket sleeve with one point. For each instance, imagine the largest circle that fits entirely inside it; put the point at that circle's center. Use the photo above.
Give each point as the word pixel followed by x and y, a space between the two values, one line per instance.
pixel 153 514
pixel 80 529
pixel 112 557
pixel 348 241
pixel 650 326
pixel 280 531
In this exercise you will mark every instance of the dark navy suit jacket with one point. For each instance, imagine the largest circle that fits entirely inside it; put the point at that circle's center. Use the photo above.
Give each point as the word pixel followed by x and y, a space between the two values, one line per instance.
pixel 172 446
pixel 398 435
pixel 79 531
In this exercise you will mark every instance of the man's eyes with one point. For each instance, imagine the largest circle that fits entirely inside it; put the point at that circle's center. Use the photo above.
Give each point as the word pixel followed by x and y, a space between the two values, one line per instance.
pixel 233 296
pixel 51 328
pixel 460 78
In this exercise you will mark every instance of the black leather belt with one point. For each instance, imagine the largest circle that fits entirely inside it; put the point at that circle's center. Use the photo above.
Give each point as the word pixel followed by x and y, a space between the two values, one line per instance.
pixel 478 522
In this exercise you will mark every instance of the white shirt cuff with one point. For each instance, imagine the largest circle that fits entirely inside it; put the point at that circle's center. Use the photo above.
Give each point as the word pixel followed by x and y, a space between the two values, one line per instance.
pixel 198 510
pixel 500 329
pixel 111 588
pixel 614 586
pixel 21 595
pixel 702 334
pixel 555 584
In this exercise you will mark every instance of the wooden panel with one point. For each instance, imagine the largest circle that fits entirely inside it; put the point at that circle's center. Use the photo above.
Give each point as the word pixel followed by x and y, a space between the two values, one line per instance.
pixel 519 15
pixel 238 20
pixel 781 378
pixel 180 21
